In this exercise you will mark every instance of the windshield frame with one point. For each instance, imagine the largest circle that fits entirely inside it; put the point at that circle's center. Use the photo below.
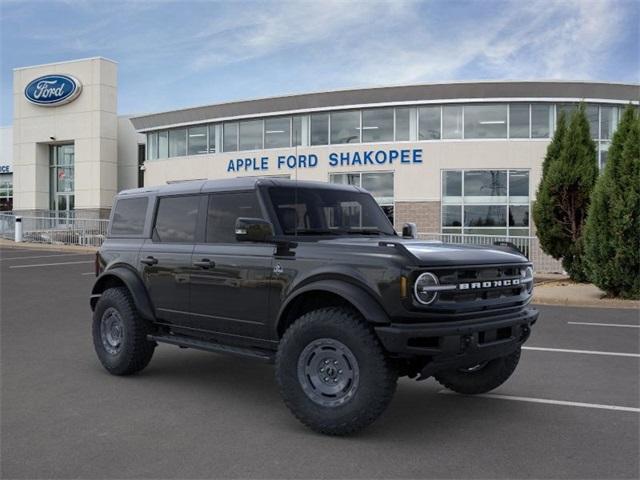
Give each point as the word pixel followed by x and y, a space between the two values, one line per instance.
pixel 381 218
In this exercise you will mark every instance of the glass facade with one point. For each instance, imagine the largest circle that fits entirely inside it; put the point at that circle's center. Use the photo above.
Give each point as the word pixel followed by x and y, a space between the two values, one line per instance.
pixel 6 192
pixel 486 202
pixel 386 124
pixel 61 179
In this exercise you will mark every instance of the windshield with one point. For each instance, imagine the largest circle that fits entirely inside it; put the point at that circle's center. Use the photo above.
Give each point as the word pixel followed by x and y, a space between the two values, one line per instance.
pixel 319 211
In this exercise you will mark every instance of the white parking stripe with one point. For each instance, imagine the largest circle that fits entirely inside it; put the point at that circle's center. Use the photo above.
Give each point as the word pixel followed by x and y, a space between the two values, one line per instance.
pixel 45 256
pixel 550 402
pixel 50 264
pixel 604 324
pixel 588 352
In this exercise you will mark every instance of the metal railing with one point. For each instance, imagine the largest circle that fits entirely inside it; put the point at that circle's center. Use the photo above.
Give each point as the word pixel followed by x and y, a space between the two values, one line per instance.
pixel 530 246
pixel 62 231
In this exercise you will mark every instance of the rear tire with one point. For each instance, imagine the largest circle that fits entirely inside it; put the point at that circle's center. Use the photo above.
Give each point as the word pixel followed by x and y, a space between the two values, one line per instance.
pixel 482 378
pixel 120 334
pixel 332 372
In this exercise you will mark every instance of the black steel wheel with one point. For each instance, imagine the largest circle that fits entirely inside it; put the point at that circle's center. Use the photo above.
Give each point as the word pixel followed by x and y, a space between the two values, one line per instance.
pixel 120 334
pixel 332 372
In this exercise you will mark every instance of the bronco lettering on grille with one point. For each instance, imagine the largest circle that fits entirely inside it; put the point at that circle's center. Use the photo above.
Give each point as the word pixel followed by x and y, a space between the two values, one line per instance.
pixel 512 282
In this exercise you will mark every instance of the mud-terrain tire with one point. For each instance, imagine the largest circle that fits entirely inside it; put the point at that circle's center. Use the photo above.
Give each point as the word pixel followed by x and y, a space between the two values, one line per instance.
pixel 480 380
pixel 334 349
pixel 120 334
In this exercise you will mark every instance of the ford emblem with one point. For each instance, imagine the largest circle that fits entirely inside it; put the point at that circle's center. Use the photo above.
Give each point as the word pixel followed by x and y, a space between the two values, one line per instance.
pixel 53 90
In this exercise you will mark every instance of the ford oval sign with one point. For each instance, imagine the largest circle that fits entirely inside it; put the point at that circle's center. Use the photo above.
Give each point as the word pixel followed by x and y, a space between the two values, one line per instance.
pixel 53 90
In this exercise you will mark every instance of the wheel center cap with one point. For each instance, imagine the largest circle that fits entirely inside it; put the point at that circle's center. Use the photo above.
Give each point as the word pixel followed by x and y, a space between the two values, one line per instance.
pixel 331 371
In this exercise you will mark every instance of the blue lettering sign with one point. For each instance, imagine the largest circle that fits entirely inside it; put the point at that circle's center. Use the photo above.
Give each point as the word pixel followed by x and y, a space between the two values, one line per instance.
pixel 53 90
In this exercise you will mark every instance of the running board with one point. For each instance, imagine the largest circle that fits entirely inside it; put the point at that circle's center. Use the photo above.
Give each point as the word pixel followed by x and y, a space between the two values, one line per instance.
pixel 188 342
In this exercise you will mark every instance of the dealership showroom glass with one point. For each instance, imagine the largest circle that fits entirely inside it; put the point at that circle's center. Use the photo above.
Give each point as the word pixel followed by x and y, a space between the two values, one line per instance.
pixel 461 157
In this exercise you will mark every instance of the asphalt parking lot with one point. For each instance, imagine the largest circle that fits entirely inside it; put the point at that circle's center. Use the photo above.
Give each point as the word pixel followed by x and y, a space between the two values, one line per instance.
pixel 571 410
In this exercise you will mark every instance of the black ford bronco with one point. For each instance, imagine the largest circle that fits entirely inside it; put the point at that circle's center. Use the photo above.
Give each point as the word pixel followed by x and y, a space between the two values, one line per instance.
pixel 312 277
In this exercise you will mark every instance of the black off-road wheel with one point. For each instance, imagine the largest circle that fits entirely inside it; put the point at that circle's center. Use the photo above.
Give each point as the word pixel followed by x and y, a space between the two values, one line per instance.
pixel 333 373
pixel 120 334
pixel 480 378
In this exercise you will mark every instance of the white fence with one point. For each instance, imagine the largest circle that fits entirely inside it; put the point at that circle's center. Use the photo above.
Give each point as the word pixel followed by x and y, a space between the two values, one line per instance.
pixel 62 231
pixel 530 246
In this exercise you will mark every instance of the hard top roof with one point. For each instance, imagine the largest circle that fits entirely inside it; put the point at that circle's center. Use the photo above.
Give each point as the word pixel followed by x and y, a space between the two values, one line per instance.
pixel 230 184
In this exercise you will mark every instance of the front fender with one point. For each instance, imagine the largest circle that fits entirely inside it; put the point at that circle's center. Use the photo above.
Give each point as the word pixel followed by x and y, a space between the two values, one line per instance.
pixel 363 301
pixel 132 281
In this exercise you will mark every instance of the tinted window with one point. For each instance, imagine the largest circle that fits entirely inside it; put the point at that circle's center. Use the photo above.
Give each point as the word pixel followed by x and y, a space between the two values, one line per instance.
pixel 230 137
pixel 277 132
pixel 452 121
pixel 128 216
pixel 197 140
pixel 485 121
pixel 377 125
pixel 345 127
pixel 403 122
pixel 176 219
pixel 519 120
pixel 320 129
pixel 251 135
pixel 178 142
pixel 452 184
pixel 224 209
pixel 309 211
pixel 541 120
pixel 429 123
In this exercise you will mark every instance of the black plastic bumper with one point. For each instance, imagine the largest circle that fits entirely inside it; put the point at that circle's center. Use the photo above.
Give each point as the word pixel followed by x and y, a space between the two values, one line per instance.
pixel 459 344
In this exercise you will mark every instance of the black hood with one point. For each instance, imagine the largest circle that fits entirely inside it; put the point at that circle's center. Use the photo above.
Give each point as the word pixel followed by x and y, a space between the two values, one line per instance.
pixel 433 253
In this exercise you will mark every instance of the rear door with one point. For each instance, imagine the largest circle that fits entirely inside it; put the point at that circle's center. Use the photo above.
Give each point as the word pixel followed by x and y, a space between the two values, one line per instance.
pixel 166 257
pixel 230 280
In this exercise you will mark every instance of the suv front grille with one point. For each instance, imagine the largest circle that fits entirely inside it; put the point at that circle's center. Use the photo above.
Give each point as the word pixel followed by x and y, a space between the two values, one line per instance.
pixel 483 288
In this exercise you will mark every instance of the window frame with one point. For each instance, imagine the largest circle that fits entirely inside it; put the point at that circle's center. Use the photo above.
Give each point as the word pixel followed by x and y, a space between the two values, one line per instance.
pixel 507 204
pixel 197 234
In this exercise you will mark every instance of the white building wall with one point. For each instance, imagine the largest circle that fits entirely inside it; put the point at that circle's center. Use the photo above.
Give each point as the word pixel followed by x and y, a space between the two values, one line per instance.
pixel 128 142
pixel 90 122
pixel 413 182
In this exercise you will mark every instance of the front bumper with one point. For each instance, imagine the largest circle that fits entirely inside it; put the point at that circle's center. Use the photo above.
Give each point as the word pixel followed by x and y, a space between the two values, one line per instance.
pixel 458 344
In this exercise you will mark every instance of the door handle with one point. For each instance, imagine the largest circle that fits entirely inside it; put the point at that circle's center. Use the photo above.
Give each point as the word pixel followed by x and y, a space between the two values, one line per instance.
pixel 204 263
pixel 149 260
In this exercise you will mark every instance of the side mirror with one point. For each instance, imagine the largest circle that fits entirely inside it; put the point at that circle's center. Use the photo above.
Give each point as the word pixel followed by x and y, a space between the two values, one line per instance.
pixel 409 230
pixel 253 230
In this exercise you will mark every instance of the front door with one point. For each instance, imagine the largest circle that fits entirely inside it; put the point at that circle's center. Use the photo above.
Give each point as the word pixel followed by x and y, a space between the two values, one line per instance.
pixel 230 281
pixel 165 259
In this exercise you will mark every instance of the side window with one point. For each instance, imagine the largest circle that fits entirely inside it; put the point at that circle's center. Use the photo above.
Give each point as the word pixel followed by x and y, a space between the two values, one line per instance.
pixel 129 215
pixel 176 219
pixel 224 209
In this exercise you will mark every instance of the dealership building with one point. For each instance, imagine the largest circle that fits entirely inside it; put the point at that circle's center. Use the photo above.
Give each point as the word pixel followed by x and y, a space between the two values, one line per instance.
pixel 460 157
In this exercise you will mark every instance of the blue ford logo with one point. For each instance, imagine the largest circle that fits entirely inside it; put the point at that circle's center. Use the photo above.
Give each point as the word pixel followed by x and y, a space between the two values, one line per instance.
pixel 53 90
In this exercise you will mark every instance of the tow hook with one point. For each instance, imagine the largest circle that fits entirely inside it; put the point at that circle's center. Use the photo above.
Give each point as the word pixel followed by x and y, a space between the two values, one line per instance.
pixel 465 341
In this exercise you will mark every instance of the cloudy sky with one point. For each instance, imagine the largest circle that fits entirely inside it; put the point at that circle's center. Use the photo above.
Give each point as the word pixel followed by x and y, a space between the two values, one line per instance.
pixel 174 54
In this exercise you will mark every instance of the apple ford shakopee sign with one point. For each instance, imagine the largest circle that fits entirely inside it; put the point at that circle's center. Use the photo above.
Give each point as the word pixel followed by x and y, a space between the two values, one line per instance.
pixel 53 90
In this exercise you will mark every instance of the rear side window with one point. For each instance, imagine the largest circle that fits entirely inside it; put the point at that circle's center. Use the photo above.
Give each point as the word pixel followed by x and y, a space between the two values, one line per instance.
pixel 176 219
pixel 224 210
pixel 129 215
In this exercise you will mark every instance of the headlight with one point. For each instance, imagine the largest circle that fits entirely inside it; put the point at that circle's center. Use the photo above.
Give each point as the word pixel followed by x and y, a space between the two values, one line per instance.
pixel 527 278
pixel 426 288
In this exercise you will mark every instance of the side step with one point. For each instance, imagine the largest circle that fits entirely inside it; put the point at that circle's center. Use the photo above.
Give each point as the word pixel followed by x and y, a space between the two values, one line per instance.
pixel 188 342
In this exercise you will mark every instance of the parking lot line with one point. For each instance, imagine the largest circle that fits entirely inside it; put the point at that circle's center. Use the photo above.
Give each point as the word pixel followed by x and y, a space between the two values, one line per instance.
pixel 588 352
pixel 547 401
pixel 604 324
pixel 44 256
pixel 50 264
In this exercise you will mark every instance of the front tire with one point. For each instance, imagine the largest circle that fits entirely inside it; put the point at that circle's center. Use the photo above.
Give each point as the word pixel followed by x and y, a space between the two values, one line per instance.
pixel 332 372
pixel 120 334
pixel 480 378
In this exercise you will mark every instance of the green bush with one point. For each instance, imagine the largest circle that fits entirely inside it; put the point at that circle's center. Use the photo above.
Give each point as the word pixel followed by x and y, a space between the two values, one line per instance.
pixel 612 233
pixel 569 174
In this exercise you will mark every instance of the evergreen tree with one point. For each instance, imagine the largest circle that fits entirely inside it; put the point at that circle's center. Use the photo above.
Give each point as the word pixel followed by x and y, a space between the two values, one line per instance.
pixel 563 198
pixel 548 231
pixel 612 242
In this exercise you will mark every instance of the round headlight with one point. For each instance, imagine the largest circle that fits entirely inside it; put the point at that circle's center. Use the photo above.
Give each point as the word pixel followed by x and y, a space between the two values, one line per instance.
pixel 425 288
